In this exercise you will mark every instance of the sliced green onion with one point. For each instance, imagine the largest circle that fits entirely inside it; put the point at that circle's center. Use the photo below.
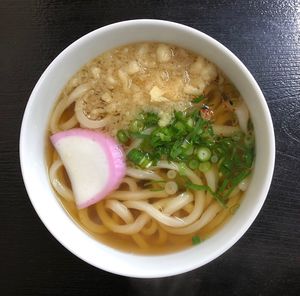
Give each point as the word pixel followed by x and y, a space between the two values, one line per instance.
pixel 223 185
pixel 235 181
pixel 199 131
pixel 188 148
pixel 171 187
pixel 136 126
pixel 182 169
pixel 196 240
pixel 175 151
pixel 164 134
pixel 190 122
pixel 171 174
pixel 140 158
pixel 122 136
pixel 150 119
pixel 189 151
pixel 135 155
pixel 179 115
pixel 193 164
pixel 205 166
pixel 146 162
pixel 179 126
pixel 186 144
pixel 214 158
pixel 203 154
pixel 247 158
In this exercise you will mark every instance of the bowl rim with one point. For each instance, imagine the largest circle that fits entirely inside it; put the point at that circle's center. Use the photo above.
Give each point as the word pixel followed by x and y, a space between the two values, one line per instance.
pixel 264 191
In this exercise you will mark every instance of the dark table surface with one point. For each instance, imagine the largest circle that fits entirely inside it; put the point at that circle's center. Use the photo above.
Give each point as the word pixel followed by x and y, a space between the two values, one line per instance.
pixel 264 35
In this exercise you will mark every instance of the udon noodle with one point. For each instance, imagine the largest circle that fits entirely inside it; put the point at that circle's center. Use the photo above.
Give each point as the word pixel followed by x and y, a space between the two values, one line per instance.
pixel 152 211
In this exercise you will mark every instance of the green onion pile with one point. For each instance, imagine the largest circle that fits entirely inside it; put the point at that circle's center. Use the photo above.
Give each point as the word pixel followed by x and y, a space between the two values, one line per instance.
pixel 189 140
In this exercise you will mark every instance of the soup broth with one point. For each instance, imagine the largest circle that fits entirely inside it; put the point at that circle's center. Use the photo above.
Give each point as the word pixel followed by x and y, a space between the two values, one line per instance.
pixel 187 137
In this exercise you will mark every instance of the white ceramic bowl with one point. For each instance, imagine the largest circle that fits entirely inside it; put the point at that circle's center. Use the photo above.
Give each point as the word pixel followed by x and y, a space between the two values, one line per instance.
pixel 32 148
